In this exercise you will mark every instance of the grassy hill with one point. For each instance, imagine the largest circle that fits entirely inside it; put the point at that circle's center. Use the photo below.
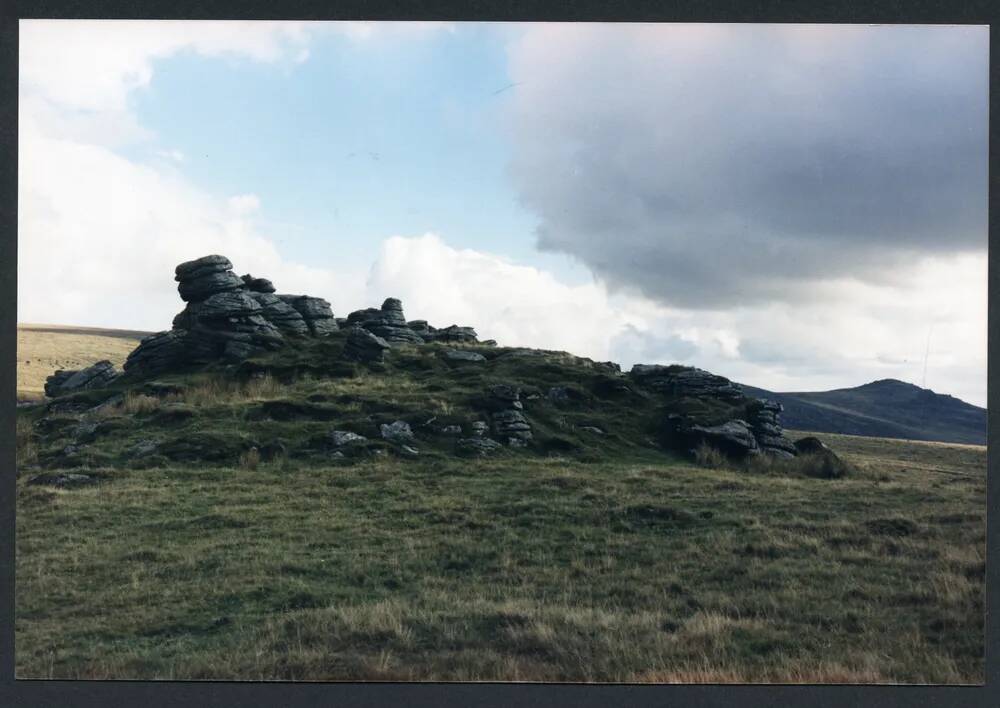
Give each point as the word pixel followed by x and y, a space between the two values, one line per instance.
pixel 41 349
pixel 219 536
pixel 886 408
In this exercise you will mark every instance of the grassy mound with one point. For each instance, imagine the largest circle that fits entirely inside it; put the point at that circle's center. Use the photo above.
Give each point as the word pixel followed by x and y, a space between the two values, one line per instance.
pixel 223 539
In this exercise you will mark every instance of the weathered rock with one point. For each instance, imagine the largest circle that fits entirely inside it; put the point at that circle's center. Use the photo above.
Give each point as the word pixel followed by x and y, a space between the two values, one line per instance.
pixel 97 375
pixel 592 429
pixel 204 277
pixel 685 381
pixel 453 333
pixel 230 326
pixel 511 424
pixel 387 323
pixel 764 418
pixel 362 345
pixel 281 314
pixel 407 451
pixel 397 432
pixel 257 285
pixel 143 448
pixel 157 353
pixel 202 266
pixel 811 446
pixel 460 355
pixel 733 437
pixel 316 313
pixel 339 438
pixel 476 447
pixel 479 428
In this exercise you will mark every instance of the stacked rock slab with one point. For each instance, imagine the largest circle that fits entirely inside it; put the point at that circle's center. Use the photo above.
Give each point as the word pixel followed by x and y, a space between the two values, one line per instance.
pixel 96 376
pixel 387 323
pixel 764 417
pixel 230 325
pixel 201 278
pixel 677 380
pixel 506 415
pixel 227 317
pixel 731 422
pixel 316 313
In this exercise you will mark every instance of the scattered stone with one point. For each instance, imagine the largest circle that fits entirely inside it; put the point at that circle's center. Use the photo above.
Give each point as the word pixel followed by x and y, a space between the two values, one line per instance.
pixel 452 430
pixel 97 375
pixel 479 428
pixel 339 438
pixel 477 447
pixel 63 480
pixel 517 442
pixel 407 451
pixel 811 446
pixel 397 432
pixel 143 448
pixel 364 346
pixel 338 455
pixel 592 429
pixel 459 355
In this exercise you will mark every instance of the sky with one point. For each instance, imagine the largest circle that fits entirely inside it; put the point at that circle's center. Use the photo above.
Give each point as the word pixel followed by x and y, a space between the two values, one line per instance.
pixel 795 207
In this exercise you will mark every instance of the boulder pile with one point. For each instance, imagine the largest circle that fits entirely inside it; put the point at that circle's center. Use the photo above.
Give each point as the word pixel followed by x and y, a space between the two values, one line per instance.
pixel 229 318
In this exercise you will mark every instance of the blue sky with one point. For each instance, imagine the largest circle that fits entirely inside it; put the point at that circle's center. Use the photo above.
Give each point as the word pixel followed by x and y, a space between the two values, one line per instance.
pixel 359 141
pixel 798 207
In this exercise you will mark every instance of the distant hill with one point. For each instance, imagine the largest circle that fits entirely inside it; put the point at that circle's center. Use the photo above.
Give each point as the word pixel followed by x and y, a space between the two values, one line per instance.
pixel 43 348
pixel 886 408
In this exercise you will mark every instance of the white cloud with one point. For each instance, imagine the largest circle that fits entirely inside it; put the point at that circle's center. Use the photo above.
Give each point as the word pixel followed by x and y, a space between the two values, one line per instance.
pixel 244 204
pixel 842 340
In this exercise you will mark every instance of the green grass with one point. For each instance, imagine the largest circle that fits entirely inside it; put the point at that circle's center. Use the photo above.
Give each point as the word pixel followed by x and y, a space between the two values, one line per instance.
pixel 612 561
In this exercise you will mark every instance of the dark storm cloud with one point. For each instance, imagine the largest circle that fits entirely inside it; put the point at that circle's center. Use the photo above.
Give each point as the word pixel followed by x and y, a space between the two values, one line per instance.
pixel 711 166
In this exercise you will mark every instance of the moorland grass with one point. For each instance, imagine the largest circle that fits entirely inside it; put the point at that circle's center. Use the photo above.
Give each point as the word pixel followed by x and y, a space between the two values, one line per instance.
pixel 589 557
pixel 547 570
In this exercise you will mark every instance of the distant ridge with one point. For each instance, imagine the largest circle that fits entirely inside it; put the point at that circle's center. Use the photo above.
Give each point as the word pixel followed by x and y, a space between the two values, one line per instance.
pixel 886 408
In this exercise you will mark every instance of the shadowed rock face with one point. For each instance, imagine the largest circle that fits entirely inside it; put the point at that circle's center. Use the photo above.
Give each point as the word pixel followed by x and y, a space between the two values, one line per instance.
pixel 710 409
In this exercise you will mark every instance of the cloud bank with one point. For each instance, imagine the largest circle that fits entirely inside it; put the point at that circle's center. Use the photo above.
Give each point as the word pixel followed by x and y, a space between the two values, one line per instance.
pixel 712 166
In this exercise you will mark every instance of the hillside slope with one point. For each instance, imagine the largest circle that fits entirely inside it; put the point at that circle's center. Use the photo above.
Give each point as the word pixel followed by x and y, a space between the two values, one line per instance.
pixel 43 348
pixel 885 408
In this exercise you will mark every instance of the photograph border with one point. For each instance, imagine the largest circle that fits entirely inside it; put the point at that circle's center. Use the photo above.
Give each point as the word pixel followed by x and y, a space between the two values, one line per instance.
pixel 245 693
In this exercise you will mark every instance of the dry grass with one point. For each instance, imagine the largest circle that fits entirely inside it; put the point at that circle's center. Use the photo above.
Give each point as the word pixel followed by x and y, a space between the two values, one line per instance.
pixel 706 455
pixel 217 390
pixel 137 403
pixel 250 459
